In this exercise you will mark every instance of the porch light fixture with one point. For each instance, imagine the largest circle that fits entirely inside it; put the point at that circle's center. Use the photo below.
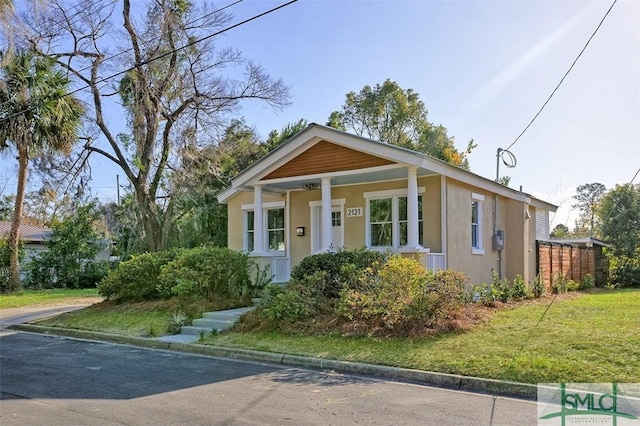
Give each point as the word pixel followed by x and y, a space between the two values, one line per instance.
pixel 311 185
pixel 300 231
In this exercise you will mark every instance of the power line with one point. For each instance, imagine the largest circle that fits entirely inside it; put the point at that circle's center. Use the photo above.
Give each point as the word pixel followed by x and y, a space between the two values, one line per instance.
pixel 628 184
pixel 122 52
pixel 613 208
pixel 177 49
pixel 564 76
pixel 148 61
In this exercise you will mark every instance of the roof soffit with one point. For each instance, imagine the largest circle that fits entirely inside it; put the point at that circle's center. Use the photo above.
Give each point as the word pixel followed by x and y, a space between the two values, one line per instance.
pixel 316 134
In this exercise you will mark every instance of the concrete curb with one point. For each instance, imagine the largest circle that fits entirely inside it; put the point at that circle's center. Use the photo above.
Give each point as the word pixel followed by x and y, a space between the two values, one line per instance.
pixel 449 381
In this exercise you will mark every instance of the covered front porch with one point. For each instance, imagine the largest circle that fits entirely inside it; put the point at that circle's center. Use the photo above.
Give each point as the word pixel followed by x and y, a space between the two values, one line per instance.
pixel 394 208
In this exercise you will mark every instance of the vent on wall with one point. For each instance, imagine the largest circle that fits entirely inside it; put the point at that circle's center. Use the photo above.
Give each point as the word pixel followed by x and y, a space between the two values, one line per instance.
pixel 542 225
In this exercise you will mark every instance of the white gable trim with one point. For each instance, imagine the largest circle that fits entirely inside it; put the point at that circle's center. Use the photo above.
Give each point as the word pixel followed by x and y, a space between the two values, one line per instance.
pixel 333 174
pixel 315 133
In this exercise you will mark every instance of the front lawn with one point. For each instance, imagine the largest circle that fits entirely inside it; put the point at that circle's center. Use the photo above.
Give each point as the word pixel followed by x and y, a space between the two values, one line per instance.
pixel 585 337
pixel 45 297
pixel 141 319
pixel 591 338
pixel 146 319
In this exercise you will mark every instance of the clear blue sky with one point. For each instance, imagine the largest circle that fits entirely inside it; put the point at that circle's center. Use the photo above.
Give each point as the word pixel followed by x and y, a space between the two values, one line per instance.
pixel 483 69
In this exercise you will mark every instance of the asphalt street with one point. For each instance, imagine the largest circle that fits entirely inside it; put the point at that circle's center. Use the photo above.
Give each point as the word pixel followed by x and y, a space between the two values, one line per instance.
pixel 48 380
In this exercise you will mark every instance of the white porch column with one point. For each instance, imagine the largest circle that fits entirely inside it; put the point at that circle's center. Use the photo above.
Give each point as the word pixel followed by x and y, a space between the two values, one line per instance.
pixel 412 208
pixel 258 222
pixel 327 234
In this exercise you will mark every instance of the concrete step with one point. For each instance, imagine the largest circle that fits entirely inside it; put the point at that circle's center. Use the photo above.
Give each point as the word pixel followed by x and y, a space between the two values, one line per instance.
pixel 195 330
pixel 179 338
pixel 218 320
pixel 218 324
pixel 228 315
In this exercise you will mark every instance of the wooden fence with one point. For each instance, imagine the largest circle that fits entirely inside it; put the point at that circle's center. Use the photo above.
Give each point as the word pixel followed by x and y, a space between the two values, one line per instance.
pixel 572 261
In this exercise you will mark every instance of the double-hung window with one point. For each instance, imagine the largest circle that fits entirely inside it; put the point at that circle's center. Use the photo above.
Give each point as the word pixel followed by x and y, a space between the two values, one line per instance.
pixel 381 222
pixel 476 223
pixel 248 233
pixel 387 219
pixel 273 229
pixel 402 212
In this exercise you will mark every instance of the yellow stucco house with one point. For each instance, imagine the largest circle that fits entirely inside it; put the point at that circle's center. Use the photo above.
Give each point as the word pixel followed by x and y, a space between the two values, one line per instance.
pixel 324 189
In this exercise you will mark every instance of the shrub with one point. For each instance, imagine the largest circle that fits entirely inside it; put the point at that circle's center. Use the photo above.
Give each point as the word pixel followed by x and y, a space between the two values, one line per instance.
pixel 538 285
pixel 4 263
pixel 136 279
pixel 291 303
pixel 624 270
pixel 178 320
pixel 210 272
pixel 572 285
pixel 341 267
pixel 587 282
pixel 520 289
pixel 92 273
pixel 559 284
pixel 68 261
pixel 402 295
pixel 483 293
pixel 42 273
pixel 502 290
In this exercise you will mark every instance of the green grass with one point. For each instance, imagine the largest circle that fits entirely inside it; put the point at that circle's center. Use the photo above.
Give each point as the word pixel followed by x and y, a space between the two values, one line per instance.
pixel 592 338
pixel 131 319
pixel 44 297
pixel 144 319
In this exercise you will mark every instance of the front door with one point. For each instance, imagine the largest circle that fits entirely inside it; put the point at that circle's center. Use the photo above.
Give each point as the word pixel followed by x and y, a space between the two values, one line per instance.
pixel 336 227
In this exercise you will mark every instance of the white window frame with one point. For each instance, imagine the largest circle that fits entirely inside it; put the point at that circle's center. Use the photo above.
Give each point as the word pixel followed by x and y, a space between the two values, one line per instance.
pixel 394 194
pixel 420 220
pixel 245 231
pixel 274 205
pixel 314 231
pixel 477 199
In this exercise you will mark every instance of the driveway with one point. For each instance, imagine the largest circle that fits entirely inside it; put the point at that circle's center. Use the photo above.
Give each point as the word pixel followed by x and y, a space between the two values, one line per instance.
pixel 10 316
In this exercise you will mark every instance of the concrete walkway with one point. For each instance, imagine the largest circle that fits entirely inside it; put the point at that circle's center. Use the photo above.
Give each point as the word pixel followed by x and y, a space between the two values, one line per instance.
pixel 217 320
pixel 11 316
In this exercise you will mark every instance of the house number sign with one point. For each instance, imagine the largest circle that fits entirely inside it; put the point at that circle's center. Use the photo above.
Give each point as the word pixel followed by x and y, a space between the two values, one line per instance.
pixel 354 212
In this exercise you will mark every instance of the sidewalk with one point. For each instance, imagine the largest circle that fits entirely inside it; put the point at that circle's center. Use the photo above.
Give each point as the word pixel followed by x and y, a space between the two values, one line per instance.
pixel 12 316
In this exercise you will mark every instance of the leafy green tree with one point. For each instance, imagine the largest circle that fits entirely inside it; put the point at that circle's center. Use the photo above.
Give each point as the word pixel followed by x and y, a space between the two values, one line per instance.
pixel 560 231
pixel 178 89
pixel 277 138
pixel 36 114
pixel 123 223
pixel 7 204
pixel 69 261
pixel 388 113
pixel 205 173
pixel 587 198
pixel 619 212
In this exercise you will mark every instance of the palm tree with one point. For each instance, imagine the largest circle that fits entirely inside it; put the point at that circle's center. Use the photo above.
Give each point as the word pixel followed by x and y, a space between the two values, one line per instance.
pixel 36 115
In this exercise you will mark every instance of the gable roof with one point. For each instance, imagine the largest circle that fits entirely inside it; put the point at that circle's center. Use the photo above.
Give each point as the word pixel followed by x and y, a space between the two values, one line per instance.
pixel 272 169
pixel 28 233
